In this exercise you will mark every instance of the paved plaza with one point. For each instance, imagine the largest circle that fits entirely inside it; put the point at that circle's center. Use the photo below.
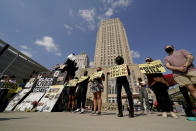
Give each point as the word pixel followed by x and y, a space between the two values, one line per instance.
pixel 108 121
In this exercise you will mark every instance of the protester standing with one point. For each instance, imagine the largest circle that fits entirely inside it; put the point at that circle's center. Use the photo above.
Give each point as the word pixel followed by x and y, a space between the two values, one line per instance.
pixel 71 93
pixel 97 88
pixel 122 81
pixel 159 86
pixel 181 63
pixel 81 93
pixel 143 94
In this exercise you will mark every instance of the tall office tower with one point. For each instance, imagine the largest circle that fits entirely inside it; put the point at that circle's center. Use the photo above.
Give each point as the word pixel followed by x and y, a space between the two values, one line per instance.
pixel 111 42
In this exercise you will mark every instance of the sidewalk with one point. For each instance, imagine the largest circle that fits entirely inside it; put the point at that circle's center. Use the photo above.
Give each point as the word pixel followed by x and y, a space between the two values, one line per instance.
pixel 108 121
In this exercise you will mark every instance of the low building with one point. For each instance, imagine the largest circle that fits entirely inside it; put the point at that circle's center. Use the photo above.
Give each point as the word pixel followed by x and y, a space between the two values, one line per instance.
pixel 14 62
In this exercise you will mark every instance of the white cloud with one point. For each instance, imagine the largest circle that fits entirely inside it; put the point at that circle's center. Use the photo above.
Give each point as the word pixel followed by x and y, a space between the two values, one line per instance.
pixel 121 3
pixel 92 17
pixel 71 12
pixel 68 27
pixel 109 12
pixel 79 26
pixel 48 43
pixel 25 47
pixel 135 54
pixel 112 6
pixel 87 15
pixel 27 53
pixel 91 64
pixel 91 27
pixel 58 54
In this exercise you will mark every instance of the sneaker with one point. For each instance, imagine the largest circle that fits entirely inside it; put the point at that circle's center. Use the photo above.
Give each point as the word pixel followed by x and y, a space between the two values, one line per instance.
pixel 98 113
pixel 77 110
pixel 173 115
pixel 93 112
pixel 164 115
pixel 82 110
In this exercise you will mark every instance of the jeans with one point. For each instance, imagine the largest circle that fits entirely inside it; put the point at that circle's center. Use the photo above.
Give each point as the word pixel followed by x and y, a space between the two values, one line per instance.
pixel 144 95
pixel 81 97
pixel 122 81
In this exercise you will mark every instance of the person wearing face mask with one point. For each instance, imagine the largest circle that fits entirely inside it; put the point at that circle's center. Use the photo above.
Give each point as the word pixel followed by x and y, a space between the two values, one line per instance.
pixel 159 86
pixel 181 63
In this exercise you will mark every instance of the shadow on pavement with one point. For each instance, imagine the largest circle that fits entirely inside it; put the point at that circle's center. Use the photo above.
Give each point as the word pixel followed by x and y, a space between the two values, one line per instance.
pixel 5 119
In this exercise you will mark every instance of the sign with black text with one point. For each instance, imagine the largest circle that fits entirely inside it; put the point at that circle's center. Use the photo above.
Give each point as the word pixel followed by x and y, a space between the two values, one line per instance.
pixel 152 67
pixel 118 71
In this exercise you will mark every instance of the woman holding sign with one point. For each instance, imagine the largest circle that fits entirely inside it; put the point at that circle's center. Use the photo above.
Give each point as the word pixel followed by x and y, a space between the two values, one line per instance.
pixel 159 86
pixel 96 88
pixel 72 84
pixel 122 81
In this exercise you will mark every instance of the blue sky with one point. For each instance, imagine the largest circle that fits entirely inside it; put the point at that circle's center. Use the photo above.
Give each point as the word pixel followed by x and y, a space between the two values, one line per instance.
pixel 48 30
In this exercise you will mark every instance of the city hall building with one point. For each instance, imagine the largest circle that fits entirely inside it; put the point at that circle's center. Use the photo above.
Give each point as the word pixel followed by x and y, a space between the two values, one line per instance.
pixel 112 42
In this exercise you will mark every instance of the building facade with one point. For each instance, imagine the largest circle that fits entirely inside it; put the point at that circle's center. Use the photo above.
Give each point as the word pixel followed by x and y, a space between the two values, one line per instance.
pixel 82 60
pixel 112 42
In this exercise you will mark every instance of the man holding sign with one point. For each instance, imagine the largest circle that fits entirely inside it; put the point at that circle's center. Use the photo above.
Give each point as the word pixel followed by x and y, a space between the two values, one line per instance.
pixel 121 73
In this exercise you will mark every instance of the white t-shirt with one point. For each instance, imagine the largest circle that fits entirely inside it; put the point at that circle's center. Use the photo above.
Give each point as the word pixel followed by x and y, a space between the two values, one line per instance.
pixel 142 83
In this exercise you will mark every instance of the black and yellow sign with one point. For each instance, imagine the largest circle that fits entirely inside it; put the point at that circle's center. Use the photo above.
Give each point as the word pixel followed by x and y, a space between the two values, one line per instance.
pixel 72 83
pixel 118 71
pixel 96 75
pixel 152 67
pixel 13 88
pixel 83 78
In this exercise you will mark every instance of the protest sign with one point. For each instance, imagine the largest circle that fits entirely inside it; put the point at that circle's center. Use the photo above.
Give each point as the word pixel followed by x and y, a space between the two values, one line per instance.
pixel 83 78
pixel 152 67
pixel 56 73
pixel 13 88
pixel 72 83
pixel 61 78
pixel 118 71
pixel 47 103
pixel 96 75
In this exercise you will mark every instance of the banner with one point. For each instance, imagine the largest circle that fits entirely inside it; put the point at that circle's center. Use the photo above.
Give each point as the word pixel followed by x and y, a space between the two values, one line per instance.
pixel 12 104
pixel 72 83
pixel 47 103
pixel 118 71
pixel 96 75
pixel 83 78
pixel 152 67
pixel 44 81
pixel 61 78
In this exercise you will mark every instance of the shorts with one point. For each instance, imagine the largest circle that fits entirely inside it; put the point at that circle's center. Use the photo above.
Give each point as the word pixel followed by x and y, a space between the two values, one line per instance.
pixel 96 87
pixel 186 79
pixel 72 91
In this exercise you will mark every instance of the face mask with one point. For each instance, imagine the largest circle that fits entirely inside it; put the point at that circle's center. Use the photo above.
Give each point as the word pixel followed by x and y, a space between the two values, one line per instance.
pixel 169 50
